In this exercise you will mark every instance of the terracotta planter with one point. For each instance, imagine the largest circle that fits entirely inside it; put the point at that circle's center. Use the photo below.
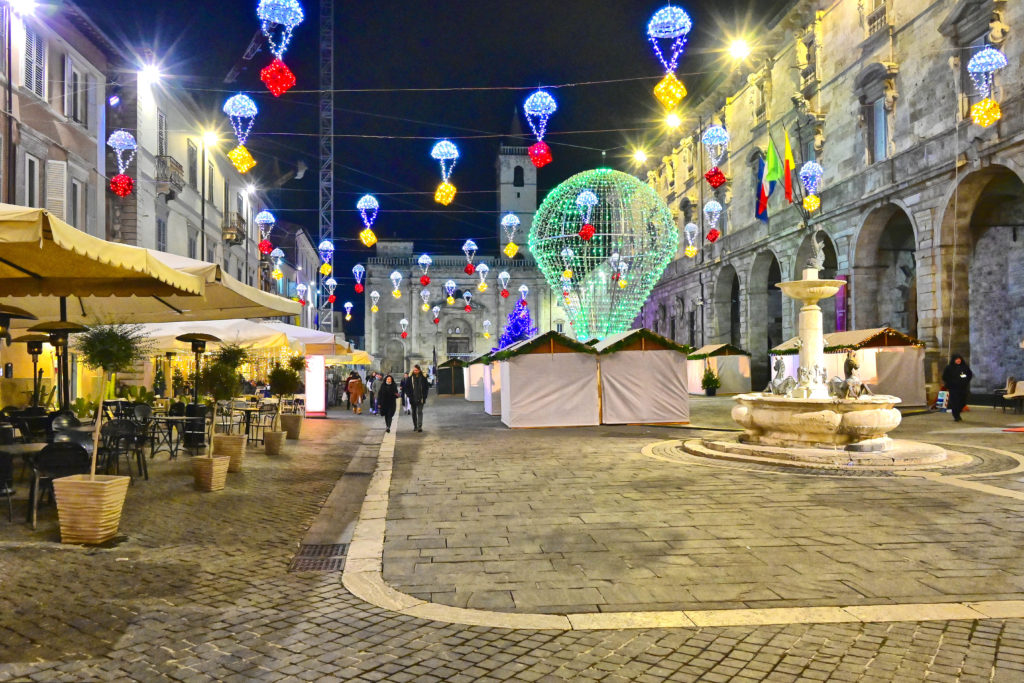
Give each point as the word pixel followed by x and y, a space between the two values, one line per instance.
pixel 210 473
pixel 89 511
pixel 272 442
pixel 233 446
pixel 292 424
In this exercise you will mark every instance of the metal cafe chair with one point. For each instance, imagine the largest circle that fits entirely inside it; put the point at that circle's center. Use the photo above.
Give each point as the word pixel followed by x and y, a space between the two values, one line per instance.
pixel 54 461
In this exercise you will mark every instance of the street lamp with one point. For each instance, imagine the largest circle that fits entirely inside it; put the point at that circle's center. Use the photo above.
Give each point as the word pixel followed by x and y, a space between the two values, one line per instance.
pixel 209 139
pixel 673 121
pixel 739 49
pixel 640 157
pixel 22 8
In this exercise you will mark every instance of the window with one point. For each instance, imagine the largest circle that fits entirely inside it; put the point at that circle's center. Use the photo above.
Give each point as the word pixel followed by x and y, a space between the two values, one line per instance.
pixel 209 183
pixel 76 213
pixel 193 242
pixel 34 76
pixel 518 177
pixel 210 253
pixel 76 93
pixel 876 19
pixel 879 131
pixel 161 236
pixel 810 152
pixel 760 103
pixel 239 204
pixel 967 86
pixel 558 328
pixel 31 181
pixel 193 165
pixel 161 135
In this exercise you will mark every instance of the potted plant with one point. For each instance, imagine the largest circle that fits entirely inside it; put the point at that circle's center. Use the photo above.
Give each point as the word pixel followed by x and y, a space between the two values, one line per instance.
pixel 292 422
pixel 89 505
pixel 288 383
pixel 220 380
pixel 283 380
pixel 710 381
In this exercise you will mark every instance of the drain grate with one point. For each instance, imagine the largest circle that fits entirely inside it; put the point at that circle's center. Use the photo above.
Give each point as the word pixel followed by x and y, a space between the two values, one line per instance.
pixel 319 558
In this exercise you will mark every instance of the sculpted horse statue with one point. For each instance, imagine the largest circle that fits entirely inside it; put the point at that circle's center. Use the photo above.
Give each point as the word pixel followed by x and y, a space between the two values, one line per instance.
pixel 780 384
pixel 851 386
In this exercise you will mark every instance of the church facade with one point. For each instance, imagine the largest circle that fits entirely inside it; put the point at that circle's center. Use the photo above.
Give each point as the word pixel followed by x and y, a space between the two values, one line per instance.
pixel 459 333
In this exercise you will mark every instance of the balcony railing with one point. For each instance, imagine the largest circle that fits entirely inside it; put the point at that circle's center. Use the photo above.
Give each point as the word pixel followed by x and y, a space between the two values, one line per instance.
pixel 233 228
pixel 170 176
pixel 760 115
pixel 877 20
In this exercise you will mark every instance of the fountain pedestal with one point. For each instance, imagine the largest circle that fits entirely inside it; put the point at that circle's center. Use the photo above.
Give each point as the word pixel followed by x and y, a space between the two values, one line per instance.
pixel 811 382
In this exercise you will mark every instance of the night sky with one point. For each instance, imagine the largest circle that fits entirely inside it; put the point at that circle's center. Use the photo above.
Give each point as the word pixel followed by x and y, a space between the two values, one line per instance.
pixel 388 46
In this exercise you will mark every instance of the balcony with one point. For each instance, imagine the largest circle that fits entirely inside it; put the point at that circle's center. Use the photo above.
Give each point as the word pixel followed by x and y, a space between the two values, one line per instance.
pixel 760 115
pixel 233 228
pixel 170 177
pixel 877 20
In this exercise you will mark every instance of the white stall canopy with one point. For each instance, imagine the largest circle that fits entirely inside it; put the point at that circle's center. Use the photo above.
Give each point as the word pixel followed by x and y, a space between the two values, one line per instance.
pixel 730 363
pixel 643 379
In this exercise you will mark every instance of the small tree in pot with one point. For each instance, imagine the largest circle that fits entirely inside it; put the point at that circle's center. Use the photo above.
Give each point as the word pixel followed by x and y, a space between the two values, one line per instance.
pixel 220 379
pixel 710 381
pixel 89 505
pixel 283 380
pixel 292 422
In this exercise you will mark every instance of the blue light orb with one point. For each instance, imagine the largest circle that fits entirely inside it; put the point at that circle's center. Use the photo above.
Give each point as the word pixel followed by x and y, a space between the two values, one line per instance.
pixel 669 22
pixel 716 140
pixel 326 250
pixel 810 176
pixel 284 12
pixel 264 218
pixel 540 104
pixel 241 106
pixel 469 248
pixel 987 61
pixel 586 199
pixel 425 261
pixel 367 203
pixel 122 141
pixel 510 221
pixel 358 270
pixel 445 150
pixel 712 211
pixel 277 254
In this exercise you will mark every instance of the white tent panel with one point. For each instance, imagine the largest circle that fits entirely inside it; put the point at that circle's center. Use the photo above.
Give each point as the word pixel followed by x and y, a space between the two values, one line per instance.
pixel 894 370
pixel 644 387
pixel 473 379
pixel 549 390
pixel 492 388
pixel 694 373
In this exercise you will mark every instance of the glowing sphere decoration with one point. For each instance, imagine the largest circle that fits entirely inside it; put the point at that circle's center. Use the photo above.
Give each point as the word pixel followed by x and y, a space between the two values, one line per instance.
pixel 446 154
pixel 286 14
pixel 326 269
pixel 469 249
pixel 278 78
pixel 122 185
pixel 467 296
pixel 673 24
pixel 348 310
pixel 510 223
pixel 358 271
pixel 713 235
pixel 277 254
pixel 716 141
pixel 982 68
pixel 368 209
pixel 524 291
pixel 265 221
pixel 812 203
pixel 986 112
pixel 811 174
pixel 690 251
pixel 538 108
pixel 424 262
pixel 374 298
pixel 712 212
pixel 331 284
pixel 404 324
pixel 326 250
pixel 631 221
pixel 265 247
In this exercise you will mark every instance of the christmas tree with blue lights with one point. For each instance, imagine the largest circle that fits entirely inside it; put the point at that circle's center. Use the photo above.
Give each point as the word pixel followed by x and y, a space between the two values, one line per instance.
pixel 518 327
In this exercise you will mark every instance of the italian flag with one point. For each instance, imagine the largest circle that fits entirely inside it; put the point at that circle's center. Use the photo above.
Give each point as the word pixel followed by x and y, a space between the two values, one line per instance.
pixel 772 175
pixel 789 166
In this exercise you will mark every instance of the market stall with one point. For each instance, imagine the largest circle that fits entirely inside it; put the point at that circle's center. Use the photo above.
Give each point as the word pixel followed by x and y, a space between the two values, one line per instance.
pixel 730 363
pixel 449 378
pixel 473 379
pixel 643 379
pixel 549 381
pixel 890 361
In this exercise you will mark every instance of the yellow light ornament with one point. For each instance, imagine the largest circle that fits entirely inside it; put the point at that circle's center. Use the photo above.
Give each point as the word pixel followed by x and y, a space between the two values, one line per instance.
pixel 374 309
pixel 277 274
pixel 812 203
pixel 690 251
pixel 511 249
pixel 397 293
pixel 986 112
pixel 241 159
pixel 348 316
pixel 450 301
pixel 482 287
pixel 669 91
pixel 567 273
pixel 445 193
pixel 622 283
pixel 487 335
pixel 367 237
pixel 325 269
pixel 425 307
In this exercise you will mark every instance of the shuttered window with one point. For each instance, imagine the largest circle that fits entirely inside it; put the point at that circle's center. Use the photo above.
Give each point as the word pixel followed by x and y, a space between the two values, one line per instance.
pixel 35 62
pixel 57 188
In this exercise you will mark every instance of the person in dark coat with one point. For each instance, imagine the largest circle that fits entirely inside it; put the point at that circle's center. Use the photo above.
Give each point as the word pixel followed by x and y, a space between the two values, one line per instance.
pixel 957 380
pixel 387 400
pixel 406 387
pixel 418 387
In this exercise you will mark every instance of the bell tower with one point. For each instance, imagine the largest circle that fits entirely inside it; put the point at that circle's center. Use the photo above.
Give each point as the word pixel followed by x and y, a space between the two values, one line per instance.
pixel 517 184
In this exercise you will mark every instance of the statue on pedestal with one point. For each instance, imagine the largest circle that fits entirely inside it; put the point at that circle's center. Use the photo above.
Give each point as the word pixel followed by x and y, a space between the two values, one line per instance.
pixel 817 259
pixel 851 386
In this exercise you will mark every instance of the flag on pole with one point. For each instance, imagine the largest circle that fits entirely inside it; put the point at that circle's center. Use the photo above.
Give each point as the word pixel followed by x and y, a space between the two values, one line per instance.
pixel 772 174
pixel 789 166
pixel 761 202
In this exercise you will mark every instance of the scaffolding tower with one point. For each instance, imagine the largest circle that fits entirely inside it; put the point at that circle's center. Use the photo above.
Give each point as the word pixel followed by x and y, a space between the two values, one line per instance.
pixel 325 309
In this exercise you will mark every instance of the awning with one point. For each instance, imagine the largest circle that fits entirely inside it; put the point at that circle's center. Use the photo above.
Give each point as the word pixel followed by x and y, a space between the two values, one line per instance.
pixel 315 342
pixel 717 350
pixel 638 339
pixel 355 358
pixel 853 339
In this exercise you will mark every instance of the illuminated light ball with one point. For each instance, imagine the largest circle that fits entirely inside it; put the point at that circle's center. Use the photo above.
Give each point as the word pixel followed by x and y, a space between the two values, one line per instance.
pixel 359 288
pixel 405 334
pixel 540 154
pixel 716 141
pixel 713 235
pixel 326 250
pixel 586 233
pixel 302 302
pixel 623 283
pixel 469 269
pixel 265 247
pixel 812 203
pixel 437 321
pixel 277 274
pixel 367 237
pixel 241 159
pixel 482 287
pixel 122 185
pixel 397 293
pixel 331 298
pixel 348 316
pixel 985 112
pixel 325 269
pixel 468 308
pixel 504 294
pixel 670 91
pixel 715 177
pixel 450 301
pixel 445 193
pixel 277 254
pixel 690 251
pixel 511 249
pixel 811 174
pixel 374 309
pixel 278 78
pixel 567 273
pixel 425 307
pixel 487 335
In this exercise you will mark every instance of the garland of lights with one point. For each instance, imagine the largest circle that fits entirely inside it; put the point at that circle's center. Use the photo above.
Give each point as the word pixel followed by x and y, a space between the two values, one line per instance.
pixel 374 298
pixel 404 324
pixel 124 145
pixel 810 177
pixel 672 24
pixel 241 110
pixel 358 271
pixel 425 295
pixel 503 278
pixel 331 284
pixel 469 249
pixel 348 310
pixel 982 68
pixel 449 289
pixel 436 310
pixel 538 108
pixel 286 14
pixel 424 262
pixel 509 223
pixel 632 223
pixel 446 154
pixel 368 209
pixel 396 281
pixel 326 251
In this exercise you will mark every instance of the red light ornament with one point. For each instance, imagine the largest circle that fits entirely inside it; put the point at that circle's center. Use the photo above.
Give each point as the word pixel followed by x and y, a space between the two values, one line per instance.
pixel 424 280
pixel 540 154
pixel 405 335
pixel 331 299
pixel 469 269
pixel 278 78
pixel 265 247
pixel 586 233
pixel 359 288
pixel 713 235
pixel 468 308
pixel 122 185
pixel 715 177
pixel 504 294
pixel 437 321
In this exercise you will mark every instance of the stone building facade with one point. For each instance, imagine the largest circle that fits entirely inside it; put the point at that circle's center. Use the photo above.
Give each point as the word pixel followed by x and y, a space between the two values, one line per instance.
pixel 921 208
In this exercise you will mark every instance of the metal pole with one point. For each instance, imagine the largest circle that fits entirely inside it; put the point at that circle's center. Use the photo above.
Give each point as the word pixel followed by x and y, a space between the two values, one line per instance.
pixel 195 381
pixel 65 367
pixel 10 112
pixel 202 209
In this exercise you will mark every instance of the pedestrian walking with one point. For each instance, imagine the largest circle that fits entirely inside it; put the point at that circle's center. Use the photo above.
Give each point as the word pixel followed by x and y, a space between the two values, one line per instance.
pixel 356 388
pixel 371 391
pixel 957 378
pixel 406 387
pixel 418 387
pixel 387 400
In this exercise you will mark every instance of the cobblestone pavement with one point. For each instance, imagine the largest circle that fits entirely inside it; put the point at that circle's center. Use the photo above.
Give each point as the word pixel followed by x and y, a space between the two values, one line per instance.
pixel 199 590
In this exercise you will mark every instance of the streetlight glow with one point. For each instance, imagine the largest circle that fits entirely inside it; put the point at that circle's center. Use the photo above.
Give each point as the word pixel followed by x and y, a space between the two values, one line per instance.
pixel 673 121
pixel 210 138
pixel 640 156
pixel 739 49
pixel 250 189
pixel 150 72
pixel 22 8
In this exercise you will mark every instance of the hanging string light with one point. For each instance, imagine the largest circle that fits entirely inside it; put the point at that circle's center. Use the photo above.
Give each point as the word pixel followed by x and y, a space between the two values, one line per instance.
pixel 326 251
pixel 503 278
pixel 358 271
pixel 424 262
pixel 436 310
pixel 331 284
pixel 278 19
pixel 524 291
pixel 425 295
pixel 374 298
pixel 586 200
pixel 538 108
pixel 467 296
pixel 396 281
pixel 469 249
pixel 277 256
pixel 482 270
pixel 368 208
pixel 982 68
pixel 241 110
pixel 449 288
pixel 567 255
pixel 300 291
pixel 348 310
pixel 716 142
pixel 446 154
pixel 509 223
pixel 811 174
pixel 265 221
pixel 670 24
pixel 124 145
pixel 690 231
pixel 404 324
pixel 487 329
pixel 712 212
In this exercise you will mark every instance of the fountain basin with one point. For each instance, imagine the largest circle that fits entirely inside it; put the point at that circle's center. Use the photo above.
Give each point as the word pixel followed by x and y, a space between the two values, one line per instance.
pixel 860 424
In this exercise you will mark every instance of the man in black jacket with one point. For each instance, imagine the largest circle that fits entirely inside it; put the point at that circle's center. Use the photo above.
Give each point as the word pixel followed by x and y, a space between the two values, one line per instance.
pixel 418 387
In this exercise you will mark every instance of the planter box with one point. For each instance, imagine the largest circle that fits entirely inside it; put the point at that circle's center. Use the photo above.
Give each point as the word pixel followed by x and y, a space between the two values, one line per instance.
pixel 233 446
pixel 272 442
pixel 210 473
pixel 292 424
pixel 89 510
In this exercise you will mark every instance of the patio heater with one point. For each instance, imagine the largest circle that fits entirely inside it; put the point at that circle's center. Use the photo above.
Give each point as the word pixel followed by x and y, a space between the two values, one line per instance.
pixel 58 332
pixel 198 341
pixel 35 348
pixel 169 374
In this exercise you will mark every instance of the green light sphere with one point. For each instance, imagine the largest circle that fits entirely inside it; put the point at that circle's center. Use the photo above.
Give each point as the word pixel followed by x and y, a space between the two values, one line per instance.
pixel 603 281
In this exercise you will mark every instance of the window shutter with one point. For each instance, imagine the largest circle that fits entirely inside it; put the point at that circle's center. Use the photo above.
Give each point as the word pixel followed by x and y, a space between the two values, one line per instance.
pixel 69 99
pixel 57 188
